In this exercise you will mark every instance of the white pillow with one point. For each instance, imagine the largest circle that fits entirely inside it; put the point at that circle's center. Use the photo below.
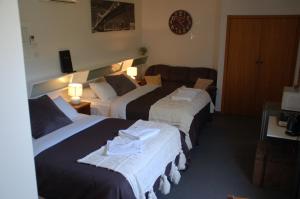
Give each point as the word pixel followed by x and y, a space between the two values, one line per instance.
pixel 66 108
pixel 103 90
pixel 88 93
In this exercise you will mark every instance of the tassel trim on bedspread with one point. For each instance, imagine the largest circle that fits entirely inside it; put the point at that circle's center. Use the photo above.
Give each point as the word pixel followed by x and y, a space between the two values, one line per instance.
pixel 188 142
pixel 151 194
pixel 164 185
pixel 175 176
pixel 182 161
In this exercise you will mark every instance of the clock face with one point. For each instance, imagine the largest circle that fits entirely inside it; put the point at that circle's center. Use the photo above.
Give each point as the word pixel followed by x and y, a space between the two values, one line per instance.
pixel 180 22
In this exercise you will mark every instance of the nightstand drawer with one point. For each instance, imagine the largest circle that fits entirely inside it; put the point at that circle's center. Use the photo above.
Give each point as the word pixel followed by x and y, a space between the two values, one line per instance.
pixel 83 107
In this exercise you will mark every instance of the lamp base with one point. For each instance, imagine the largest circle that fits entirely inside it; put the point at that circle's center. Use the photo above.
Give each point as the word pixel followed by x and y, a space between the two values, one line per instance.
pixel 75 100
pixel 133 77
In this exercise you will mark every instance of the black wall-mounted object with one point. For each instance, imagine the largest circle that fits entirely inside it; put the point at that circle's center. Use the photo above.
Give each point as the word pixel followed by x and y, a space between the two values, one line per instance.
pixel 65 61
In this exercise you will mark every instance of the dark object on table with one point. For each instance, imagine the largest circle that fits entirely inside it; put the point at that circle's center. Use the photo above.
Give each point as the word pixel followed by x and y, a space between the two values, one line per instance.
pixel 65 61
pixel 283 119
pixel 275 165
pixel 176 76
pixel 293 125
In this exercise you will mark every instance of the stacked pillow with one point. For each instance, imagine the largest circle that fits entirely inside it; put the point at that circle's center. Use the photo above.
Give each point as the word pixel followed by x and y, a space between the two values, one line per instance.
pixel 120 83
pixel 111 87
pixel 45 116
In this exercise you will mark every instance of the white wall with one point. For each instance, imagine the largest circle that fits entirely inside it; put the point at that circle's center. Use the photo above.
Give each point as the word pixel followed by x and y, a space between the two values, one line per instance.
pixel 57 26
pixel 207 46
pixel 248 7
pixel 196 48
pixel 17 167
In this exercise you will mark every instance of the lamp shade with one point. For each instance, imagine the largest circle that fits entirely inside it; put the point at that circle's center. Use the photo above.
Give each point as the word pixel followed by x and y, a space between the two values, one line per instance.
pixel 75 90
pixel 132 71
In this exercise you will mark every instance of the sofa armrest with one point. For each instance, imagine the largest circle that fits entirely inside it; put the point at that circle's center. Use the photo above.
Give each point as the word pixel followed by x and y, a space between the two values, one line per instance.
pixel 212 91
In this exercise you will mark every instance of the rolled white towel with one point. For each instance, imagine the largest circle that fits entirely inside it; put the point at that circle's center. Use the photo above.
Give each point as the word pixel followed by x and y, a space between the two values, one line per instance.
pixel 123 146
pixel 139 133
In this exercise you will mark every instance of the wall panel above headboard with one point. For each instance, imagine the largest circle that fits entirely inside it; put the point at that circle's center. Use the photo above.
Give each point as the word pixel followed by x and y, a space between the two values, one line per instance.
pixel 44 87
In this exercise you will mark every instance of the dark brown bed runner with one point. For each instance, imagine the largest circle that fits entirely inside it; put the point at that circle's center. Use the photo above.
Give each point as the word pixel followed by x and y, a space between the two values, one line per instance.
pixel 60 176
pixel 140 108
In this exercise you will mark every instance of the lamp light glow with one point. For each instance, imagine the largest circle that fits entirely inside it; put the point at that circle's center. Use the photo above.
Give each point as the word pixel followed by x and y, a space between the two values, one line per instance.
pixel 132 72
pixel 75 91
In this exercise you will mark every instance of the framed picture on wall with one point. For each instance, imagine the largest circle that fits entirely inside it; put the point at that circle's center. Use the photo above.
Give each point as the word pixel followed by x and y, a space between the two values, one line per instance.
pixel 112 16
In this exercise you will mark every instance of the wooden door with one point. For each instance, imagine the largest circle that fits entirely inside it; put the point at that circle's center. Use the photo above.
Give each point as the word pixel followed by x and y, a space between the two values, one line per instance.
pixel 261 54
pixel 243 48
pixel 279 46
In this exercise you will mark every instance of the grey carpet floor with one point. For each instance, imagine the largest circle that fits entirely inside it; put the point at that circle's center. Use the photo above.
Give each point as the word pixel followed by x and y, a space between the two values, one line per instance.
pixel 223 162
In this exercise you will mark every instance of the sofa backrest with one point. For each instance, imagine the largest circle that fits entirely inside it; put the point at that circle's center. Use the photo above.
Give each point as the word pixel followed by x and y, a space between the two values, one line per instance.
pixel 181 75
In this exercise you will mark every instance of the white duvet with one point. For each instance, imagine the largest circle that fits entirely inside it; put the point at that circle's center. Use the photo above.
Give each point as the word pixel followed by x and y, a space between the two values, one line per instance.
pixel 180 113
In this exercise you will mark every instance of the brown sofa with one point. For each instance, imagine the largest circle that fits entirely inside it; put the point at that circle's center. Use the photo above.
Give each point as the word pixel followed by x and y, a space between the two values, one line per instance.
pixel 180 75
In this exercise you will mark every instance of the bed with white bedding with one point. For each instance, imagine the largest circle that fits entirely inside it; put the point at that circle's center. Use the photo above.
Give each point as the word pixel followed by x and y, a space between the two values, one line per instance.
pixel 67 167
pixel 155 103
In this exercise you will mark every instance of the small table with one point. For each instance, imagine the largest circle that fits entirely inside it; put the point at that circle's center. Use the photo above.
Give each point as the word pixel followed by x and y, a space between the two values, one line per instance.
pixel 270 130
pixel 141 82
pixel 83 107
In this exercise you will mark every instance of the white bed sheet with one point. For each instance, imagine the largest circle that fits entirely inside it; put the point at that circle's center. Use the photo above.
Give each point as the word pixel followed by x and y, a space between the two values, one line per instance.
pixel 99 107
pixel 116 107
pixel 80 123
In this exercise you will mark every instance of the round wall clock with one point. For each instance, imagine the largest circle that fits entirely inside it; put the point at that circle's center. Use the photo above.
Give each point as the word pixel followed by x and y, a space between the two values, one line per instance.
pixel 180 22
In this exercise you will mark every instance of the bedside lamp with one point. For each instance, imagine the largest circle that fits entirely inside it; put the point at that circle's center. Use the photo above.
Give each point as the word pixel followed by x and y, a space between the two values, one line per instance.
pixel 75 91
pixel 132 72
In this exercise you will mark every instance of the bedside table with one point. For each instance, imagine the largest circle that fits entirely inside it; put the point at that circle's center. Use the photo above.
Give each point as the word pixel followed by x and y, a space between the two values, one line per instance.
pixel 82 107
pixel 141 82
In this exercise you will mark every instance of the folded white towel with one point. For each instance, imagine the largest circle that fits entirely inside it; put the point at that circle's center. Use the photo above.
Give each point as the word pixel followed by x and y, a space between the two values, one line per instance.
pixel 139 131
pixel 184 94
pixel 123 146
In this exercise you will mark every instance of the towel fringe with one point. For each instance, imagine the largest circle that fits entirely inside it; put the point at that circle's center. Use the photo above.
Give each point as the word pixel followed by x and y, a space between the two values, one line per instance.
pixel 151 194
pixel 182 161
pixel 164 185
pixel 188 142
pixel 174 174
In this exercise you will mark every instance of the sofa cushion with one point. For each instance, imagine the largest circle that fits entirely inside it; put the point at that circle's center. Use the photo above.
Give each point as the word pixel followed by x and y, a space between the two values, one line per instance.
pixel 153 80
pixel 204 73
pixel 203 83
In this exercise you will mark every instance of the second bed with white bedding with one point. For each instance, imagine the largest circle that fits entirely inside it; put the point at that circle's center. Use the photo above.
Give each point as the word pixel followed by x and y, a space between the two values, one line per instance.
pixel 154 103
